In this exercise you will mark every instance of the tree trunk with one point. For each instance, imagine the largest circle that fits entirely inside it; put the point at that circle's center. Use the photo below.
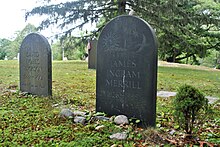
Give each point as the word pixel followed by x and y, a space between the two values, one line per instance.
pixel 187 56
pixel 121 6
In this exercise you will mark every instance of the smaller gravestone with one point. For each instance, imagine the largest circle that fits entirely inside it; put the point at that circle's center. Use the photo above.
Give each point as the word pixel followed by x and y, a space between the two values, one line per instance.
pixel 6 58
pixel 92 54
pixel 35 65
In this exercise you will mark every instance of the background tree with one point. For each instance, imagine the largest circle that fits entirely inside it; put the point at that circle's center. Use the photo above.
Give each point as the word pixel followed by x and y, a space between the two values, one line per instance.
pixel 74 47
pixel 13 48
pixel 4 46
pixel 185 28
pixel 56 51
pixel 212 59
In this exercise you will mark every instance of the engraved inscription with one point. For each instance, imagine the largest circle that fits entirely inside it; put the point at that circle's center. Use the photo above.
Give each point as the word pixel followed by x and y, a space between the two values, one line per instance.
pixel 124 63
pixel 110 41
pixel 33 69
pixel 123 84
pixel 123 73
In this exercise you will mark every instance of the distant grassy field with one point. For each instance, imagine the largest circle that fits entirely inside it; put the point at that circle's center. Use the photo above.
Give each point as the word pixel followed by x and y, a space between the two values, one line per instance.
pixel 170 78
pixel 33 121
pixel 74 76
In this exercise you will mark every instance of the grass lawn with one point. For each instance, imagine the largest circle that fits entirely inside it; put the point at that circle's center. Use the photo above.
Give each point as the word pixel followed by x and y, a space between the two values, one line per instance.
pixel 34 121
pixel 170 78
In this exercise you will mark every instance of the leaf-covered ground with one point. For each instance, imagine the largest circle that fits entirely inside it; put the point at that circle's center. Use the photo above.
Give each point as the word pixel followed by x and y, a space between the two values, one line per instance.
pixel 34 121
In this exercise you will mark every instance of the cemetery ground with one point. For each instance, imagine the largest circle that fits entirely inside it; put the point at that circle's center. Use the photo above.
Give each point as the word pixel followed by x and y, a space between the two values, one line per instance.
pixel 34 121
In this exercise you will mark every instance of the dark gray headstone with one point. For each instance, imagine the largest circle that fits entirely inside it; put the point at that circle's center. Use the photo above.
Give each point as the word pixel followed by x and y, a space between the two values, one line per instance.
pixel 35 65
pixel 127 70
pixel 92 54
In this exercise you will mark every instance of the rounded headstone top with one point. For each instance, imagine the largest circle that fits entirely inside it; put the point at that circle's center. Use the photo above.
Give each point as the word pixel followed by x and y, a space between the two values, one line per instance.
pixel 127 33
pixel 35 38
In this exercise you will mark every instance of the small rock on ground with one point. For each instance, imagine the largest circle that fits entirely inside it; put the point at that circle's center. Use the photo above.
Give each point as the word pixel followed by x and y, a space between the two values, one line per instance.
pixel 80 119
pixel 79 113
pixel 102 118
pixel 212 99
pixel 167 94
pixel 98 128
pixel 121 120
pixel 66 113
pixel 12 91
pixel 119 136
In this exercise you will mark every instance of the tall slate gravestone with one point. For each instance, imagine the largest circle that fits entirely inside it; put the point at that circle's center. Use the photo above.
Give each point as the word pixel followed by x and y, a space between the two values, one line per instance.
pixel 35 65
pixel 92 54
pixel 127 70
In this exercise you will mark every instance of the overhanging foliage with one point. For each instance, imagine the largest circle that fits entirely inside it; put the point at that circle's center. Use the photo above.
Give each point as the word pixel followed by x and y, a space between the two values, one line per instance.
pixel 185 28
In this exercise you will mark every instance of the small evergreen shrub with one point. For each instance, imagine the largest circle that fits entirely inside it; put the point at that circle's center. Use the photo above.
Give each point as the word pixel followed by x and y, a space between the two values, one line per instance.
pixel 188 105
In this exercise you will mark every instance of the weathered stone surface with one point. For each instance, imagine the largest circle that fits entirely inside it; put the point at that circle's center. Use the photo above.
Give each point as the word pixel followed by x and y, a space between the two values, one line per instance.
pixel 102 118
pixel 127 70
pixel 67 113
pixel 80 119
pixel 121 120
pixel 35 65
pixel 79 113
pixel 119 136
pixel 167 94
pixel 212 99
